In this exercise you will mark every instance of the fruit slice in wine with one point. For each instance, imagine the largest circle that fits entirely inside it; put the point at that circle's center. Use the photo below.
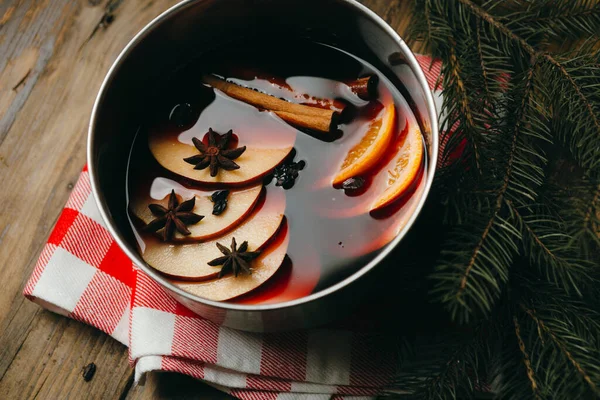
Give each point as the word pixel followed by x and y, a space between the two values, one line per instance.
pixel 254 163
pixel 290 282
pixel 240 204
pixel 371 146
pixel 190 261
pixel 403 169
pixel 230 286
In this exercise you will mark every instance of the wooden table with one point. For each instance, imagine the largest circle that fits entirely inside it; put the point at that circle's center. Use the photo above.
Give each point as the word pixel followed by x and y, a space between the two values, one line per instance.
pixel 53 57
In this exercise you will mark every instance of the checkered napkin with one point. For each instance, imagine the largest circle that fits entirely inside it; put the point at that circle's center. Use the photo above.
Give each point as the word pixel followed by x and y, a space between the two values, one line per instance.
pixel 83 274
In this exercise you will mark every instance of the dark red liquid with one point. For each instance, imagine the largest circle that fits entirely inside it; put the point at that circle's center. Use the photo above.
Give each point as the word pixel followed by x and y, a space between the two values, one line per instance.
pixel 332 233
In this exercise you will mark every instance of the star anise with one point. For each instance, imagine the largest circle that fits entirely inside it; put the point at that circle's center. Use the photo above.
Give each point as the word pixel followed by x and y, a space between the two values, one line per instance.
pixel 175 217
pixel 234 260
pixel 216 155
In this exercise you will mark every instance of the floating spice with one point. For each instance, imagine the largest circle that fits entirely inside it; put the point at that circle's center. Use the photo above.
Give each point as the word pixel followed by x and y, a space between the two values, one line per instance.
pixel 365 87
pixel 220 201
pixel 175 217
pixel 216 155
pixel 234 260
pixel 286 174
pixel 353 183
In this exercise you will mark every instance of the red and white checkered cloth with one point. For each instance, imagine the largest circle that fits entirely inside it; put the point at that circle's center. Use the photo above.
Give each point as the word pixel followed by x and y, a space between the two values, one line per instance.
pixel 83 274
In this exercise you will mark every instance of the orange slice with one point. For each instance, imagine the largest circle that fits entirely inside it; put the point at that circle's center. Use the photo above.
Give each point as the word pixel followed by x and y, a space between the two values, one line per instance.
pixel 403 169
pixel 370 148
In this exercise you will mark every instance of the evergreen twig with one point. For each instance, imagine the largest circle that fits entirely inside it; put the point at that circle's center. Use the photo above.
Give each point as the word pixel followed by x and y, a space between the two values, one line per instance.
pixel 526 360
pixel 520 253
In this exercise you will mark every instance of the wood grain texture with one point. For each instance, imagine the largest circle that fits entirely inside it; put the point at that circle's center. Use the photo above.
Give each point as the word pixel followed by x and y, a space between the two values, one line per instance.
pixel 53 57
pixel 50 360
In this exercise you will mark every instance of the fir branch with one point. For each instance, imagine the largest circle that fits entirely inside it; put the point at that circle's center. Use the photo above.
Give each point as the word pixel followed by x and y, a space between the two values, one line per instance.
pixel 513 372
pixel 582 216
pixel 584 101
pixel 526 360
pixel 482 274
pixel 516 131
pixel 478 273
pixel 427 14
pixel 576 113
pixel 454 69
pixel 484 71
pixel 592 210
pixel 560 19
pixel 445 365
pixel 549 251
pixel 512 97
pixel 562 343
pixel 482 14
pixel 476 251
pixel 561 338
pixel 582 98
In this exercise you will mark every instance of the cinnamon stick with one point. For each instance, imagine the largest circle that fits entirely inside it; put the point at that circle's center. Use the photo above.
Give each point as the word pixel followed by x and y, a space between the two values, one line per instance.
pixel 366 87
pixel 334 105
pixel 307 121
pixel 248 73
pixel 316 118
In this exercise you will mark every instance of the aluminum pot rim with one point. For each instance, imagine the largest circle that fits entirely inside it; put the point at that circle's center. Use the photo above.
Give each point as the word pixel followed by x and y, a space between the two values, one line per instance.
pixel 432 164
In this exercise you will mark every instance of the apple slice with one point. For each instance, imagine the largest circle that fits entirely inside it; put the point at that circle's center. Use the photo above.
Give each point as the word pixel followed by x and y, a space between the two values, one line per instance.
pixel 254 163
pixel 240 204
pixel 230 286
pixel 291 281
pixel 190 261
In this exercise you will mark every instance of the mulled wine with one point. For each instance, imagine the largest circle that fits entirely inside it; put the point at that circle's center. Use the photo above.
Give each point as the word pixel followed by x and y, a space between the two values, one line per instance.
pixel 261 176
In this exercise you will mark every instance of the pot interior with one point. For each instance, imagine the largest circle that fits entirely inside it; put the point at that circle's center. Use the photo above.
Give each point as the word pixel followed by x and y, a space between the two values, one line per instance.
pixel 193 28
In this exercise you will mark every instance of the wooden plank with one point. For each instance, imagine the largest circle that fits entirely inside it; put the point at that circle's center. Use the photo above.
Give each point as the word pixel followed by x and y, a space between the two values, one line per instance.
pixel 50 360
pixel 53 56
pixel 36 164
pixel 30 30
pixel 42 151
pixel 23 230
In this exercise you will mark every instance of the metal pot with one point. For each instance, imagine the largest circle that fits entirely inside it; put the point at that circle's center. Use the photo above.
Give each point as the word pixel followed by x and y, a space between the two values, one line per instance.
pixel 195 26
